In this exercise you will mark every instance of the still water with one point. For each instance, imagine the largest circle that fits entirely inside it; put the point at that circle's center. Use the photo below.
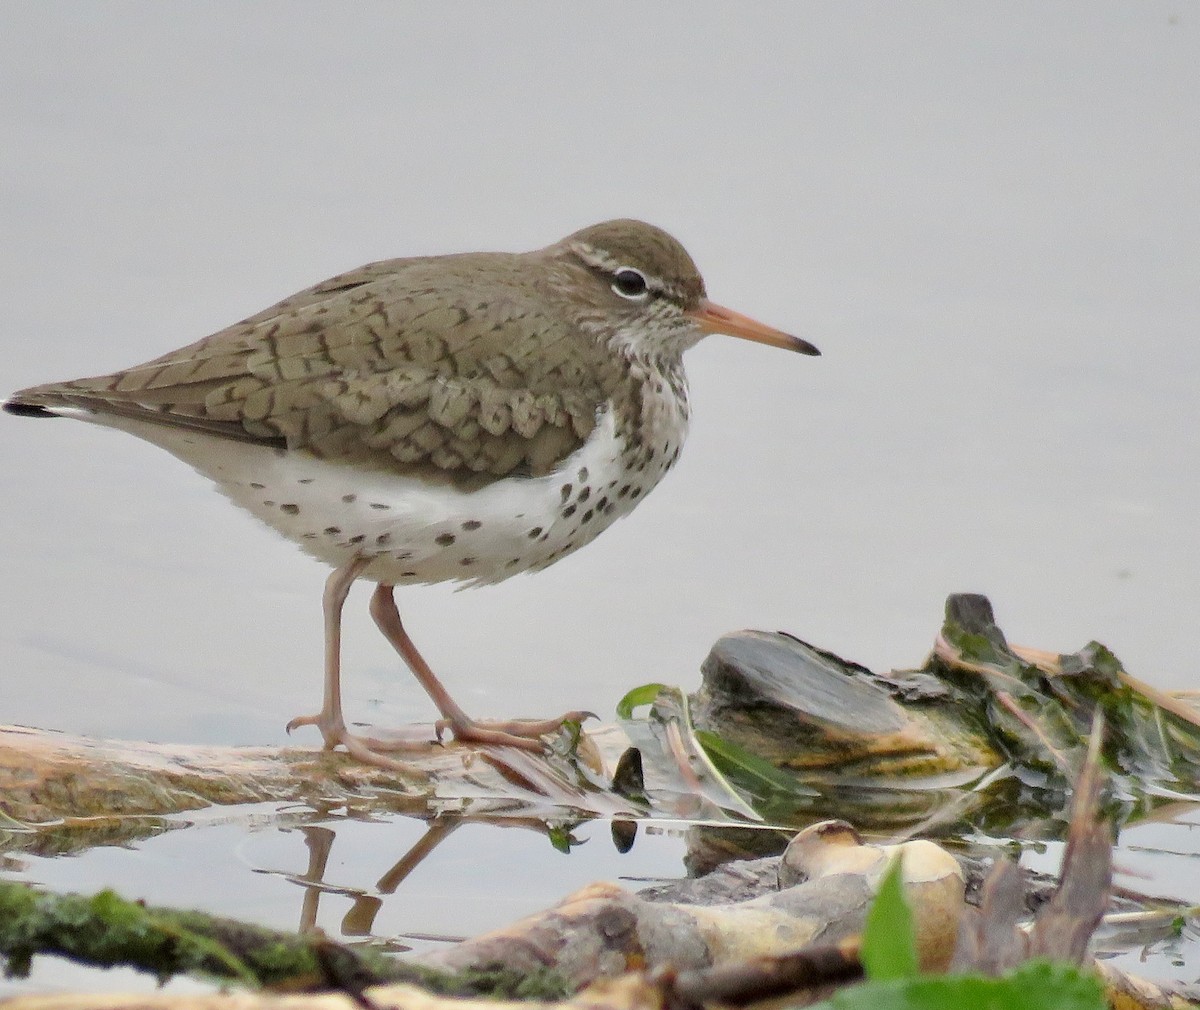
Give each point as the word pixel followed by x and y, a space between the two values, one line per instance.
pixel 986 222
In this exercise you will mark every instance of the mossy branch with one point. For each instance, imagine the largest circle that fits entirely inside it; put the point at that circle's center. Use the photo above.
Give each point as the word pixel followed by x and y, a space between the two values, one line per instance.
pixel 106 930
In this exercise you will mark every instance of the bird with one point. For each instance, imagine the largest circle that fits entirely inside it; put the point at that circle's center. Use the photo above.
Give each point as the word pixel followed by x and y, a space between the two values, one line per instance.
pixel 426 419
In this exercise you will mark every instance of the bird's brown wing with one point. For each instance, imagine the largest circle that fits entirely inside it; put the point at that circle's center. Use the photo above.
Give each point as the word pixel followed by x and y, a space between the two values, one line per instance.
pixel 408 364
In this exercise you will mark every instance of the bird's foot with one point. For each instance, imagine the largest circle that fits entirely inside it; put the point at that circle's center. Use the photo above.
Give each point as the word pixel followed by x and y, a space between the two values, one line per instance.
pixel 523 733
pixel 368 750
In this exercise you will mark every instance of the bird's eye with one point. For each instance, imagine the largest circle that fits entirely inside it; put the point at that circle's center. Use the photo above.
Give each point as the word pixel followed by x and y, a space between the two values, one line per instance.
pixel 630 283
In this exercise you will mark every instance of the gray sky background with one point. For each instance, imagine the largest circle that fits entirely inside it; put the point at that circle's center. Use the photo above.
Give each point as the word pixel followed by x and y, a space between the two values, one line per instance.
pixel 986 217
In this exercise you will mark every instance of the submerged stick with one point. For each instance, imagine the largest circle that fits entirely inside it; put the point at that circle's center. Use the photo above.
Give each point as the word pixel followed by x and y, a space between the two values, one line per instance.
pixel 66 792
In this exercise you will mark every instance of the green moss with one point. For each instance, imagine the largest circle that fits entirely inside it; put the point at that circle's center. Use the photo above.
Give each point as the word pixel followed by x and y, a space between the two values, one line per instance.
pixel 106 930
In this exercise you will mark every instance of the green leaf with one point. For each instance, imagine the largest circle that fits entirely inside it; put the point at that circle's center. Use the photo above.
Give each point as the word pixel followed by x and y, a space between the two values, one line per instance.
pixel 748 770
pixel 672 707
pixel 560 838
pixel 643 695
pixel 889 949
pixel 1035 985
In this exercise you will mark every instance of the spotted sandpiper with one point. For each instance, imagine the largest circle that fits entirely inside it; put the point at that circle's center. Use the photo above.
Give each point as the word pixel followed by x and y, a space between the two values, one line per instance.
pixel 435 418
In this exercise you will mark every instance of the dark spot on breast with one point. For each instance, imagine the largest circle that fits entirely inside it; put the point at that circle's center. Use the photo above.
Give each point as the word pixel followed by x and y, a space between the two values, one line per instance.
pixel 635 492
pixel 468 561
pixel 403 555
pixel 587 516
pixel 290 508
pixel 623 492
pixel 268 502
pixel 348 498
pixel 305 480
pixel 408 575
pixel 310 536
pixel 471 524
pixel 445 539
pixel 358 538
pixel 566 491
pixel 583 474
pixel 513 563
pixel 379 505
pixel 256 485
pixel 585 494
pixel 535 533
pixel 602 504
pixel 383 538
pixel 333 531
pixel 568 512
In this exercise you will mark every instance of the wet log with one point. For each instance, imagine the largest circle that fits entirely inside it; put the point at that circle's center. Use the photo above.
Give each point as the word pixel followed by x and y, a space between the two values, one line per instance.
pixel 780 941
pixel 60 792
pixel 625 952
pixel 828 879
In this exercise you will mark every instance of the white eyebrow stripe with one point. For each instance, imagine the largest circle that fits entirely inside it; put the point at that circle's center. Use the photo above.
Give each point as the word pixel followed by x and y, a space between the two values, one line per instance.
pixel 601 260
pixel 596 257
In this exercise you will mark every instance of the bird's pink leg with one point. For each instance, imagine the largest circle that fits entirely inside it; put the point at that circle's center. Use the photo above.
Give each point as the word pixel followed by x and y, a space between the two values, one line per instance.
pixel 330 720
pixel 516 733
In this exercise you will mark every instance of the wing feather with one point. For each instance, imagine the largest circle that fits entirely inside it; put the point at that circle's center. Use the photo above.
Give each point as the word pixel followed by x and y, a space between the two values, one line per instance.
pixel 406 364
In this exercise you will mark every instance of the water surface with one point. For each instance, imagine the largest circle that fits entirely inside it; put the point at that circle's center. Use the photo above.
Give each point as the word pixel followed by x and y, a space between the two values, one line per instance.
pixel 986 221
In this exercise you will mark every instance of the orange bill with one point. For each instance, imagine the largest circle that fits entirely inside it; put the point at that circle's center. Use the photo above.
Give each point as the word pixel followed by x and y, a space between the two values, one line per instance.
pixel 714 318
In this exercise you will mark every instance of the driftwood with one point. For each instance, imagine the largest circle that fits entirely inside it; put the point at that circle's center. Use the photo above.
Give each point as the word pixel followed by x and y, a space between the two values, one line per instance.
pixel 815 719
pixel 830 882
pixel 60 792
pixel 622 950
pixel 588 940
pixel 46 776
pixel 977 704
pixel 617 948
pixel 105 930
